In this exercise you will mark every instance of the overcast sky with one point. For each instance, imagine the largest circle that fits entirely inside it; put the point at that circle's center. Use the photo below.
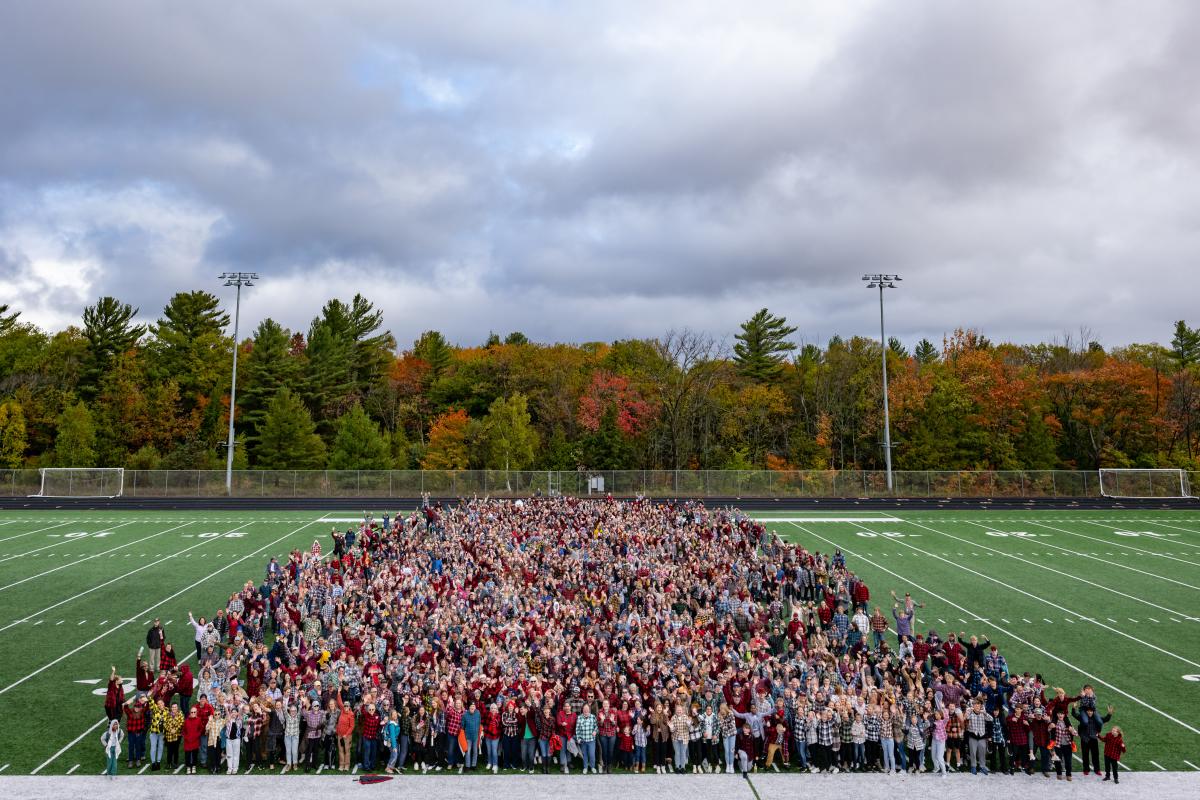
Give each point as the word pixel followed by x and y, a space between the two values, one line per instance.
pixel 601 170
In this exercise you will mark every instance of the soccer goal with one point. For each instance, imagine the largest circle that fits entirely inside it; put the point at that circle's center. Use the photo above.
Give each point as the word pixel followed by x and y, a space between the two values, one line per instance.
pixel 1144 484
pixel 81 482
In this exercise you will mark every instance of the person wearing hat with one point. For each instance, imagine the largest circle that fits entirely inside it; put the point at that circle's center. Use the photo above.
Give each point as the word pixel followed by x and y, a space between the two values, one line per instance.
pixel 111 740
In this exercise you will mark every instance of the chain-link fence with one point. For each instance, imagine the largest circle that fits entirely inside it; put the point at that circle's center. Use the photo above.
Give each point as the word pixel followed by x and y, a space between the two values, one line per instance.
pixel 623 483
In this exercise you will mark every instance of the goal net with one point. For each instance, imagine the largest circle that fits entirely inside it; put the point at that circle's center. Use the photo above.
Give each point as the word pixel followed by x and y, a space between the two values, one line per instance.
pixel 81 482
pixel 1144 484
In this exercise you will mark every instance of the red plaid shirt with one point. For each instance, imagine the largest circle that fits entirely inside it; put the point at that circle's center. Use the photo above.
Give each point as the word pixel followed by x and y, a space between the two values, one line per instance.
pixel 135 718
pixel 370 726
pixel 453 721
pixel 1114 746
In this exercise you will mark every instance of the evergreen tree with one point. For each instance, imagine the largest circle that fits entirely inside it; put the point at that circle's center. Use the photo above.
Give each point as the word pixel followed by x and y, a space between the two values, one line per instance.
pixel 359 444
pixel 400 449
pixel 7 321
pixel 269 367
pixel 516 337
pixel 329 382
pixel 188 344
pixel 926 353
pixel 509 438
pixel 1185 345
pixel 75 444
pixel 12 435
pixel 897 347
pixel 109 331
pixel 287 438
pixel 762 345
pixel 432 348
pixel 606 448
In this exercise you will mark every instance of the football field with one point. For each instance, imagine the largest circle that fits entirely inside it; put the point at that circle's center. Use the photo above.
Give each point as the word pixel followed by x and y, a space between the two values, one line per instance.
pixel 1109 598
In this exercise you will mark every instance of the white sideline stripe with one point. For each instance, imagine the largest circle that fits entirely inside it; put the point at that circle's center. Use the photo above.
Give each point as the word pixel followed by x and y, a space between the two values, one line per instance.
pixel 104 720
pixel 1112 543
pixel 1178 528
pixel 72 769
pixel 1064 609
pixel 1025 642
pixel 111 581
pixel 1111 563
pixel 826 519
pixel 120 625
pixel 342 519
pixel 1160 766
pixel 1190 764
pixel 62 542
pixel 89 558
pixel 4 768
pixel 30 533
pixel 1056 572
pixel 178 770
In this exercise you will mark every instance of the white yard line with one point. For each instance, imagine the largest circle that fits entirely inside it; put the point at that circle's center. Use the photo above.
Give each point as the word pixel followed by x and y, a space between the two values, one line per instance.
pixel 111 581
pixel 89 558
pixel 1064 609
pixel 1190 764
pixel 39 530
pixel 1106 561
pixel 1025 642
pixel 1114 543
pixel 61 543
pixel 1049 569
pixel 1160 766
pixel 1176 527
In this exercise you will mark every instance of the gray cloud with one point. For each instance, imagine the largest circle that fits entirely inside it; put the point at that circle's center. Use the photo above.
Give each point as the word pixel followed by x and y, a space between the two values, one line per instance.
pixel 610 170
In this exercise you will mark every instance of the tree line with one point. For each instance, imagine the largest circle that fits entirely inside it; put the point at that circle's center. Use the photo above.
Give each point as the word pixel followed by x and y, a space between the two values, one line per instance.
pixel 117 391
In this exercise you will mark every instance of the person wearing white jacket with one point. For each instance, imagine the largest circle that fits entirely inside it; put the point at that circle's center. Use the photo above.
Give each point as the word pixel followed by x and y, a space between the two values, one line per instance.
pixel 111 741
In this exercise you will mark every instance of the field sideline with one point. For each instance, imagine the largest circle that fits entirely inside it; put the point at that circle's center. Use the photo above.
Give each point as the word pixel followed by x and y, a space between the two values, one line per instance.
pixel 1106 597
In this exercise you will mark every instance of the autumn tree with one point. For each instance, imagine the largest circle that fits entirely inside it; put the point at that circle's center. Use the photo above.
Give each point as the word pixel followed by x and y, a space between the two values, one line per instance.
pixel 75 445
pixel 447 447
pixel 762 346
pixel 12 435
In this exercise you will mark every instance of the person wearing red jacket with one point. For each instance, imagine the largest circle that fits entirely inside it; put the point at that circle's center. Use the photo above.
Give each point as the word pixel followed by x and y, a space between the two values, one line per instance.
pixel 185 687
pixel 747 750
pixel 114 696
pixel 564 726
pixel 193 729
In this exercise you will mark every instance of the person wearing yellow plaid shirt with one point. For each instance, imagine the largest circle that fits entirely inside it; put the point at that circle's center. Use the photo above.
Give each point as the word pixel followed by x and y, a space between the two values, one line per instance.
pixel 158 729
pixel 172 732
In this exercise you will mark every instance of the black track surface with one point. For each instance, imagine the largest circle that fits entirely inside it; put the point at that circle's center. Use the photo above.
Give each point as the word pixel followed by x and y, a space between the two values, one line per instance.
pixel 748 503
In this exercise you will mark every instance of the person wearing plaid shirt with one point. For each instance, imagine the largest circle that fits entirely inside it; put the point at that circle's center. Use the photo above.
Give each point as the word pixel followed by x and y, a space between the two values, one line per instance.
pixel 977 737
pixel 1063 736
pixel 873 724
pixel 158 727
pixel 998 752
pixel 454 715
pixel 586 727
pixel 825 731
pixel 135 727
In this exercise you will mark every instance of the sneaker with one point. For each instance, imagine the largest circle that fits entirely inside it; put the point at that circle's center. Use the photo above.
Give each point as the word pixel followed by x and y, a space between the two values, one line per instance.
pixel 460 769
pixel 835 770
pixel 1068 777
pixel 775 767
pixel 1106 777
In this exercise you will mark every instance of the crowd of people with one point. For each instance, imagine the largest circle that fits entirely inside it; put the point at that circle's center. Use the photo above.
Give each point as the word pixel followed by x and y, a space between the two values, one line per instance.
pixel 560 634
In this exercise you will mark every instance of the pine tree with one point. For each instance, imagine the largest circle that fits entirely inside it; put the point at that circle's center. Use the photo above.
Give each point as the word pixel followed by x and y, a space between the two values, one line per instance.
pixel 606 448
pixel 432 348
pixel 109 331
pixel 926 353
pixel 188 344
pixel 75 444
pixel 508 435
pixel 7 321
pixel 287 438
pixel 269 367
pixel 762 345
pixel 12 435
pixel 359 444
pixel 1185 345
pixel 897 347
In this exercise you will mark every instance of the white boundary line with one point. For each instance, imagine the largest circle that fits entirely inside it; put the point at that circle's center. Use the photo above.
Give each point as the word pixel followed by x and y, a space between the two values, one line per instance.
pixel 1064 609
pixel 30 533
pixel 65 541
pixel 1176 527
pixel 148 609
pixel 111 581
pixel 89 558
pixel 1025 642
pixel 1104 561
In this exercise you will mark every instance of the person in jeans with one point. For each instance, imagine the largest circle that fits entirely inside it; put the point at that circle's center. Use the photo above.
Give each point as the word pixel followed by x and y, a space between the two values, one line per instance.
pixel 291 738
pixel 154 642
pixel 1090 725
pixel 158 729
pixel 111 740
pixel 472 727
pixel 681 728
pixel 939 742
pixel 1062 735
pixel 607 722
pixel 586 729
pixel 135 727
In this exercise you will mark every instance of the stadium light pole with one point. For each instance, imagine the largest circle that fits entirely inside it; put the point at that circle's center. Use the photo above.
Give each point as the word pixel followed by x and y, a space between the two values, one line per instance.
pixel 238 279
pixel 881 282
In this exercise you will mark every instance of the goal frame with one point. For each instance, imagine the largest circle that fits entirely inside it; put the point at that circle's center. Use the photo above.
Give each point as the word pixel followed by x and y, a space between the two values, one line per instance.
pixel 1180 480
pixel 118 471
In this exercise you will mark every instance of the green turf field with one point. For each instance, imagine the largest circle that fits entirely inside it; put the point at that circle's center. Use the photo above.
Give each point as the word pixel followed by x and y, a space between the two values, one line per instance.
pixel 1106 597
